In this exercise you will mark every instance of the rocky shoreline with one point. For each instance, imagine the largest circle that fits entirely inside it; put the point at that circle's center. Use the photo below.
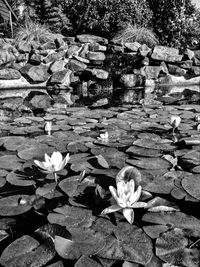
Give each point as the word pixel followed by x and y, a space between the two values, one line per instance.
pixel 87 66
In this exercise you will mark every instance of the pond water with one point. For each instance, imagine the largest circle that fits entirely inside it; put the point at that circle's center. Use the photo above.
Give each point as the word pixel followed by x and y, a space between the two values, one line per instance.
pixel 59 222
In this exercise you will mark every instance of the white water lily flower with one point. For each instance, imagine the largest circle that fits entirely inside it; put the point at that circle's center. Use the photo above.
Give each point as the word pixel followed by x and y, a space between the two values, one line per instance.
pixel 175 121
pixel 126 198
pixel 53 164
pixel 103 137
pixel 48 127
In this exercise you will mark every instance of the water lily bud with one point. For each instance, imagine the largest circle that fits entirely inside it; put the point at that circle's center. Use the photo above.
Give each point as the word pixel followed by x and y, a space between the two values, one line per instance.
pixel 175 121
pixel 103 137
pixel 48 127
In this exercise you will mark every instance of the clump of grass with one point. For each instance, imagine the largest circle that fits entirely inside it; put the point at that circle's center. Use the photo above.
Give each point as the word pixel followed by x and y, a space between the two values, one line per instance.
pixel 134 33
pixel 33 32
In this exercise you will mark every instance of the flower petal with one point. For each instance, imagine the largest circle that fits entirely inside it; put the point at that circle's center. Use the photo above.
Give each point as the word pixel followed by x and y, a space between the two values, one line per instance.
pixel 129 215
pixel 161 208
pixel 138 205
pixel 56 159
pixel 64 162
pixel 40 164
pixel 47 160
pixel 134 197
pixel 111 209
pixel 113 191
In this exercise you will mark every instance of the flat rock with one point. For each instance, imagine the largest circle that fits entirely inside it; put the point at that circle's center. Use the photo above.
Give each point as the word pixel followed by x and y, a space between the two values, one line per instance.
pixel 9 74
pixel 165 53
pixel 89 38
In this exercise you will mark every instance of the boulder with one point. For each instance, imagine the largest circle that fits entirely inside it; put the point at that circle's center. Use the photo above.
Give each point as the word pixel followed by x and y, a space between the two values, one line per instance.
pixel 76 66
pixel 35 74
pixel 176 70
pixel 151 72
pixel 24 47
pixel 188 54
pixel 57 66
pixel 165 53
pixel 144 50
pixel 186 64
pixel 99 73
pixel 115 48
pixel 73 50
pixel 81 59
pixel 197 54
pixel 61 77
pixel 88 38
pixel 195 70
pixel 132 46
pixel 96 56
pixel 132 80
pixel 176 80
pixel 9 74
pixel 54 56
pixel 48 45
pixel 42 101
pixel 95 47
pixel 35 59
pixel 84 50
pixel 6 56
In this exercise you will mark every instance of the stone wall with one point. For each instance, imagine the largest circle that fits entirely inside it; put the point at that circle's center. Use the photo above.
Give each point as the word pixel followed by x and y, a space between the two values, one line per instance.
pixel 87 66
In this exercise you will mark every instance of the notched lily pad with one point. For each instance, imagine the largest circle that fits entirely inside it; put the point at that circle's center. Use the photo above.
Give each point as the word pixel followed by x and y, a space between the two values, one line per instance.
pixel 150 163
pixel 172 247
pixel 27 251
pixel 14 205
pixel 191 184
pixel 5 162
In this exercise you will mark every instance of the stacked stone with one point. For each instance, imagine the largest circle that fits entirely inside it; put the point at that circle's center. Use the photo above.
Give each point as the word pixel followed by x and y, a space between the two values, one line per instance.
pixel 75 63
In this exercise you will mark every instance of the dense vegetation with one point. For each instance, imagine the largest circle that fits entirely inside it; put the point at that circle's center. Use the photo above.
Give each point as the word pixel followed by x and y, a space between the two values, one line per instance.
pixel 174 23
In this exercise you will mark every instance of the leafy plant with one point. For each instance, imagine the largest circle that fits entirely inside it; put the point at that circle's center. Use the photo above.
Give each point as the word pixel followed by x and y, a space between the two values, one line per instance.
pixel 33 32
pixel 170 20
pixel 106 17
pixel 134 33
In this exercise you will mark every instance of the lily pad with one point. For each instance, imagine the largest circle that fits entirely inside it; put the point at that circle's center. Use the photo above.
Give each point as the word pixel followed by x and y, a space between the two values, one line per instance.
pixel 5 162
pixel 150 163
pixel 19 179
pixel 14 205
pixel 71 216
pixel 174 219
pixel 191 184
pixel 86 261
pixel 84 241
pixel 13 142
pixel 145 152
pixel 172 247
pixel 27 251
pixel 35 152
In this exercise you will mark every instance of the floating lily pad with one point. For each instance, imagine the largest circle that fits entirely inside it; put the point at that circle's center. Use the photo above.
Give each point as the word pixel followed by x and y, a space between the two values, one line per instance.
pixel 84 241
pixel 191 184
pixel 10 162
pixel 71 216
pixel 151 144
pixel 154 231
pixel 130 243
pixel 48 191
pixel 35 152
pixel 191 159
pixel 14 205
pixel 19 179
pixel 150 163
pixel 26 251
pixel 174 219
pixel 145 152
pixel 172 247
